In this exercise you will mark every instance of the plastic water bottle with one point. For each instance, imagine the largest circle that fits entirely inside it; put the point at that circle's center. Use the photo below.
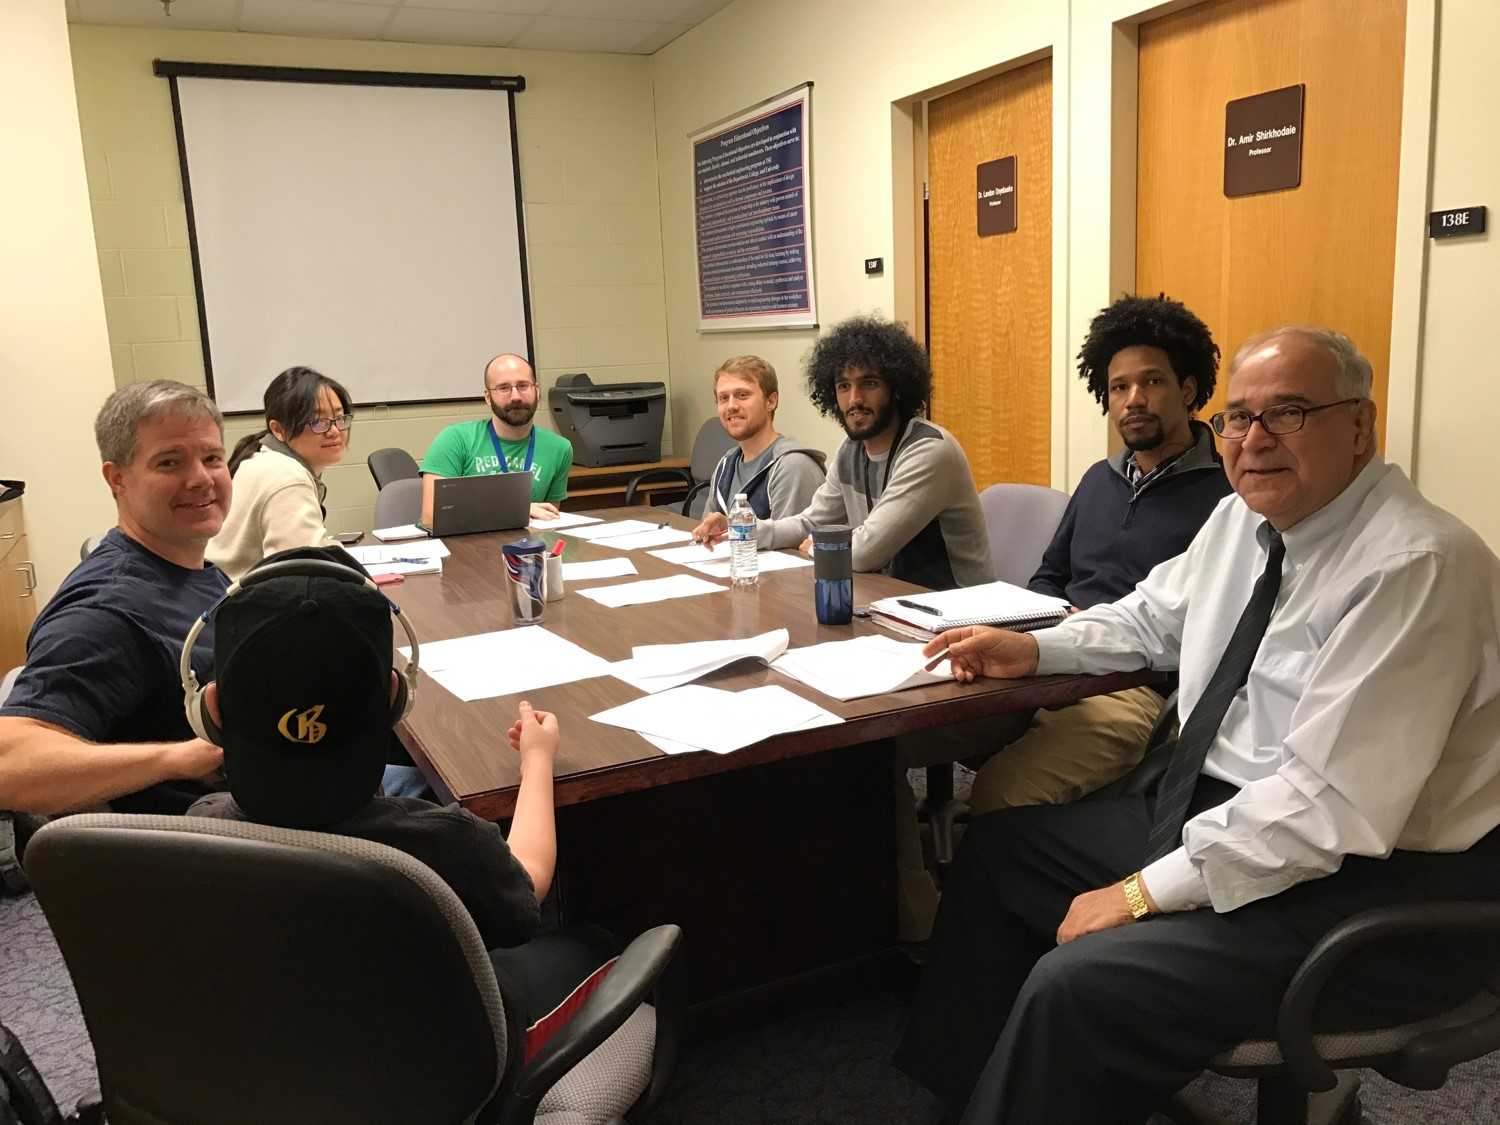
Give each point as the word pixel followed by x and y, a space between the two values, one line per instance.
pixel 744 560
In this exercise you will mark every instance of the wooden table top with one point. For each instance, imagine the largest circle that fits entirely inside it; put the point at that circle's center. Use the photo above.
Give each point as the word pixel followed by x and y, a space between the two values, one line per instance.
pixel 462 746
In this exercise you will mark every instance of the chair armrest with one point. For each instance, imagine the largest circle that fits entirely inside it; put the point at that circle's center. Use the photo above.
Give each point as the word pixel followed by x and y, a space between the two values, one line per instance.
pixel 647 474
pixel 691 492
pixel 1294 1023
pixel 618 995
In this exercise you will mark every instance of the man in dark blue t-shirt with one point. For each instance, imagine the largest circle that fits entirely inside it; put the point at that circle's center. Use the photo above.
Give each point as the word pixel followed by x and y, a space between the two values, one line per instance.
pixel 97 713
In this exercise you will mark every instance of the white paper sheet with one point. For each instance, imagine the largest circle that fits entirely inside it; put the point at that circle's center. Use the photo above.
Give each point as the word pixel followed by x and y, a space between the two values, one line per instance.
pixel 427 566
pixel 564 519
pixel 693 552
pixel 404 531
pixel 652 538
pixel 653 668
pixel 853 669
pixel 768 560
pixel 716 720
pixel 653 590
pixel 507 662
pixel 416 551
pixel 597 531
pixel 599 568
pixel 670 746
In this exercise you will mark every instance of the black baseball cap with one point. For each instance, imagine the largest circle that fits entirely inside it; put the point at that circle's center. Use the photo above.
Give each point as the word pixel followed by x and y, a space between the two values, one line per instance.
pixel 303 665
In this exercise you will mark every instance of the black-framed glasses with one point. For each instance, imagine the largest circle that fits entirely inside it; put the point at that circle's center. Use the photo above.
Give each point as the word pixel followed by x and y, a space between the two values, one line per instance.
pixel 322 425
pixel 505 390
pixel 1277 420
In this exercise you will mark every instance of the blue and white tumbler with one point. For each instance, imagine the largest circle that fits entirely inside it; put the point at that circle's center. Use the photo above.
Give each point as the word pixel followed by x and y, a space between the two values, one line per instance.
pixel 833 574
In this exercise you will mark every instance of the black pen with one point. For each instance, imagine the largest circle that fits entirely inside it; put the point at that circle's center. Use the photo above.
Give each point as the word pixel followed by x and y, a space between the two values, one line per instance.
pixel 918 606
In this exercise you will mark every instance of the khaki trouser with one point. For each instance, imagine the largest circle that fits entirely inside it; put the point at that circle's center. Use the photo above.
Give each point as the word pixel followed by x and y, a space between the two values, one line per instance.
pixel 1051 758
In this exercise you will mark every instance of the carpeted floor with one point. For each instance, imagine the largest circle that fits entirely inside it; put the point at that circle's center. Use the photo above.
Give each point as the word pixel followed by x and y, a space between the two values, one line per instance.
pixel 827 1065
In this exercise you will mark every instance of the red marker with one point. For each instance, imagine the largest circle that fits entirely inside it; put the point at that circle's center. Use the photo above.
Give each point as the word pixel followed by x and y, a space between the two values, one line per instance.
pixel 557 548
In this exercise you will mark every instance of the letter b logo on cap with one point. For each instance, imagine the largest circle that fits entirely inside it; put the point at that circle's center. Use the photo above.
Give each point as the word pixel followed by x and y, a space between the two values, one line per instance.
pixel 309 730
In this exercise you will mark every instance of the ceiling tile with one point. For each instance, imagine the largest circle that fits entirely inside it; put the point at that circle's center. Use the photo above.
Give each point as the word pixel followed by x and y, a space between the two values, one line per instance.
pixel 556 33
pixel 470 29
pixel 697 13
pixel 489 7
pixel 653 11
pixel 314 17
pixel 659 38
pixel 190 15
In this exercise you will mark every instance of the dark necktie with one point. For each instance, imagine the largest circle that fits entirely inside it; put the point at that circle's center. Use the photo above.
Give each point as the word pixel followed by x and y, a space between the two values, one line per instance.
pixel 1198 733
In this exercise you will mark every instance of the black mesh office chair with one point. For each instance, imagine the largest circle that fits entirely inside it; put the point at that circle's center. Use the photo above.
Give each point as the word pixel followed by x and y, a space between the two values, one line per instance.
pixel 390 464
pixel 711 443
pixel 243 974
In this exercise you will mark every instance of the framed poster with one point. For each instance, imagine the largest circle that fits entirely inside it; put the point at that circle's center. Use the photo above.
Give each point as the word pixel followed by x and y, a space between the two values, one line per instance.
pixel 752 225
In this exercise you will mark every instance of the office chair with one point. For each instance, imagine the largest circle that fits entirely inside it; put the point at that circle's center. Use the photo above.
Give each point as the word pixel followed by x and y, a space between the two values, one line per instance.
pixel 399 503
pixel 1021 520
pixel 391 463
pixel 240 974
pixel 1295 1072
pixel 90 545
pixel 711 443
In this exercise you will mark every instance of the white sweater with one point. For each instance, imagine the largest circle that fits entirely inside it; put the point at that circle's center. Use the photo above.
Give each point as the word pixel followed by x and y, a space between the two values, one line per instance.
pixel 276 506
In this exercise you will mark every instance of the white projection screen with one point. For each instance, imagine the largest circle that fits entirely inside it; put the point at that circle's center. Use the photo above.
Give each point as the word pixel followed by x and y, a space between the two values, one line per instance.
pixel 364 224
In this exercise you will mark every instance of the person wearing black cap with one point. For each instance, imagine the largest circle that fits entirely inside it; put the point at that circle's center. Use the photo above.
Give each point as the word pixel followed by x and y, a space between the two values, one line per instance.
pixel 304 703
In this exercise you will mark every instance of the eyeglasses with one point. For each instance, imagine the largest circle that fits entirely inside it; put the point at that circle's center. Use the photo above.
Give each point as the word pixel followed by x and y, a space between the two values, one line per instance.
pixel 322 425
pixel 1278 420
pixel 505 390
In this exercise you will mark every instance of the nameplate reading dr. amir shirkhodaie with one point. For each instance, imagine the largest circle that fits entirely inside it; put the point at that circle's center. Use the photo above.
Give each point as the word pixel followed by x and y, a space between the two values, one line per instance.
pixel 1263 142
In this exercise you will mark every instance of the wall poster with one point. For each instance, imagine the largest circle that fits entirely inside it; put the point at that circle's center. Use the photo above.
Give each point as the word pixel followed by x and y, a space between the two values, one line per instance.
pixel 752 221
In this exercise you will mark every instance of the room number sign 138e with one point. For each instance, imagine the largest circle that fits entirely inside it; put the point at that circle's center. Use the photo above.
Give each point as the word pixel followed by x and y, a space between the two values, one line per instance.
pixel 1461 221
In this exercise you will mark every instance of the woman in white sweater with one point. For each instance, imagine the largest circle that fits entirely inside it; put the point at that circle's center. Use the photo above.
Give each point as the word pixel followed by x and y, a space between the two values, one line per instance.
pixel 278 472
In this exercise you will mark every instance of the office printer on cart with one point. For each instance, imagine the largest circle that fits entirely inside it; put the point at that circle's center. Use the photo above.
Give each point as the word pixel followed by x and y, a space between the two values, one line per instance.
pixel 612 424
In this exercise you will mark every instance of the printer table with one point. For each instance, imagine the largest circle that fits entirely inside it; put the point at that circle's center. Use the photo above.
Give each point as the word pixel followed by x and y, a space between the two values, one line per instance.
pixel 604 486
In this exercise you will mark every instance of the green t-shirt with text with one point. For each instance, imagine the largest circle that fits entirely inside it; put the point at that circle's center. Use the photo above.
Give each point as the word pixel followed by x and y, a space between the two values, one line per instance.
pixel 464 449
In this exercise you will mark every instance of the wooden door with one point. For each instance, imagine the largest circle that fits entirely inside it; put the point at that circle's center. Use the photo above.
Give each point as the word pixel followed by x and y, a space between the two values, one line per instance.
pixel 1321 253
pixel 990 311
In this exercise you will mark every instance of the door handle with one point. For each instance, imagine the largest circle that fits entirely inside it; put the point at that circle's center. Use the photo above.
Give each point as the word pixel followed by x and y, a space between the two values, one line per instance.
pixel 29 569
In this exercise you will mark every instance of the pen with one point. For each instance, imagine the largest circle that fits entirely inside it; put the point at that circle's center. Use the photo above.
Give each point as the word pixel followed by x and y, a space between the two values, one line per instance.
pixel 557 548
pixel 918 606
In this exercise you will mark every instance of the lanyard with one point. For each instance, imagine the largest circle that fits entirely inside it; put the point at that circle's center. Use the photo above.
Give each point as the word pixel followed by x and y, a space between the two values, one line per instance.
pixel 500 453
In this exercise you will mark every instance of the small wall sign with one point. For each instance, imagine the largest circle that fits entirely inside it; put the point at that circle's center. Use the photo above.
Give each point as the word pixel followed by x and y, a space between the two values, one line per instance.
pixel 995 196
pixel 1263 142
pixel 1451 224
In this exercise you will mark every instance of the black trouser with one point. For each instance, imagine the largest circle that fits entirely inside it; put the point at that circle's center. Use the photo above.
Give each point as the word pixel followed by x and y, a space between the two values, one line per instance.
pixel 1103 1029
pixel 538 976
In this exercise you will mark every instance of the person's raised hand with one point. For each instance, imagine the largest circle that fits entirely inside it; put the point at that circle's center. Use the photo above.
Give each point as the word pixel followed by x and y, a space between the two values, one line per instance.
pixel 534 733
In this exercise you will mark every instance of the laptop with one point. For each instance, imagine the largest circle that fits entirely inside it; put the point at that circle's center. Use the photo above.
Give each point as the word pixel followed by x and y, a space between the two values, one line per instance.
pixel 466 505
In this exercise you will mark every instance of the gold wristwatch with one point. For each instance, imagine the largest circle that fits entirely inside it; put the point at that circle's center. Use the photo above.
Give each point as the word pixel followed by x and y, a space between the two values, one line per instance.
pixel 1134 898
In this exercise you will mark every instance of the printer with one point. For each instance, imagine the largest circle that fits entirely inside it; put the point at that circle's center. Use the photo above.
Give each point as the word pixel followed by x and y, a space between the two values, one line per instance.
pixel 611 424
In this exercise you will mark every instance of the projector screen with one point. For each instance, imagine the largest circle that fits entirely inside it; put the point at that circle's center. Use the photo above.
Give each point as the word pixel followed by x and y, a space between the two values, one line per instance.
pixel 367 225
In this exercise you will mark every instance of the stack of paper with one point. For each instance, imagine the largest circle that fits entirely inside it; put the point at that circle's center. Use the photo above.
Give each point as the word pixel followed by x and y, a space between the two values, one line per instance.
pixel 695 717
pixel 870 665
pixel 423 556
pixel 995 603
pixel 564 519
pixel 653 668
pixel 405 531
pixel 507 662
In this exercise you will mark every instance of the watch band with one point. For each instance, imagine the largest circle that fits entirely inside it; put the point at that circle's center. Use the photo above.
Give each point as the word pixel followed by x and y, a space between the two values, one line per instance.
pixel 1134 898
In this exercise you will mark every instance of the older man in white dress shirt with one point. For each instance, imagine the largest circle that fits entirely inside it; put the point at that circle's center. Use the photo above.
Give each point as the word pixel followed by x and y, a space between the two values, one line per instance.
pixel 1338 639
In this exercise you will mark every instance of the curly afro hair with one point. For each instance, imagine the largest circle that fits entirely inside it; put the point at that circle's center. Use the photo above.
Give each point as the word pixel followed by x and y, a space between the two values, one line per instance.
pixel 879 347
pixel 1153 322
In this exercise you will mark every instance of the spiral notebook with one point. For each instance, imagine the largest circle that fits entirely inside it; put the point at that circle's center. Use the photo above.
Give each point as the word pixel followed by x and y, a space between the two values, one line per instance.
pixel 925 615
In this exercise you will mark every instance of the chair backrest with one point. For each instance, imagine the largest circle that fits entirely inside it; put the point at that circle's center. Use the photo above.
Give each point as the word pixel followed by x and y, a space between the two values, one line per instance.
pixel 391 463
pixel 8 681
pixel 241 974
pixel 1021 520
pixel 399 503
pixel 710 444
pixel 90 545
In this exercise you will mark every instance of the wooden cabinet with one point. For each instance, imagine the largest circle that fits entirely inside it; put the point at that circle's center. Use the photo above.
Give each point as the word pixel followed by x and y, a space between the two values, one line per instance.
pixel 18 606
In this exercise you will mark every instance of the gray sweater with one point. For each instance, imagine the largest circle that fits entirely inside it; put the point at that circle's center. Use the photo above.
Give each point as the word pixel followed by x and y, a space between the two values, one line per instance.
pixel 915 511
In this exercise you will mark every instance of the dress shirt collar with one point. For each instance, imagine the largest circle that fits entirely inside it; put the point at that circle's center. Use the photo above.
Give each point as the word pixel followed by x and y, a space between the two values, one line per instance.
pixel 1329 521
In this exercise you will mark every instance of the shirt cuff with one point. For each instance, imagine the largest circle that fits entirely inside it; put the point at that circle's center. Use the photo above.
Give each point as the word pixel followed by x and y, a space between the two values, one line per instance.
pixel 1055 652
pixel 1174 883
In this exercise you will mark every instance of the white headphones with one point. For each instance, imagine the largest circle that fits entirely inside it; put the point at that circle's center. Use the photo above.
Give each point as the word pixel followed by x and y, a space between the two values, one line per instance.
pixel 194 697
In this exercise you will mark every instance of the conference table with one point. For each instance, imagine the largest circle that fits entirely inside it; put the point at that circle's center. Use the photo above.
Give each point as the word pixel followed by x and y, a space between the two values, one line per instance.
pixel 777 859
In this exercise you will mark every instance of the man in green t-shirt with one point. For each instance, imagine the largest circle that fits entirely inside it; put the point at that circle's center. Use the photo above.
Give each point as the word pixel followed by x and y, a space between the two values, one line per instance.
pixel 506 443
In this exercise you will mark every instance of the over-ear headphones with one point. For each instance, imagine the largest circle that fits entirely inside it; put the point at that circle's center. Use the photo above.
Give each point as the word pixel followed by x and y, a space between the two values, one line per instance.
pixel 194 698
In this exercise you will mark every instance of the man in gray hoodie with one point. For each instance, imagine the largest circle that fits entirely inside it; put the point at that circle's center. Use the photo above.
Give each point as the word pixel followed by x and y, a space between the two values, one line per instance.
pixel 777 474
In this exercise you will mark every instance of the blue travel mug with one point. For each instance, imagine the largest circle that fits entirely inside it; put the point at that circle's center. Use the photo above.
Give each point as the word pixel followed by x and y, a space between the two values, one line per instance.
pixel 833 574
pixel 526 579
